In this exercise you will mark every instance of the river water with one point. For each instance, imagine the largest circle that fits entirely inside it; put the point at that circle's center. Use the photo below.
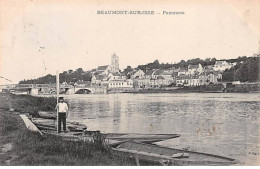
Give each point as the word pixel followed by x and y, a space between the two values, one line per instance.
pixel 220 123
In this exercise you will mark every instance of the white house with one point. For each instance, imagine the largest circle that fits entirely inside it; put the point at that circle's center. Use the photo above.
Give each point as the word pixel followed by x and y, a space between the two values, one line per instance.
pixel 182 80
pixel 116 76
pixel 192 69
pixel 168 76
pixel 98 79
pixel 182 71
pixel 194 81
pixel 222 65
pixel 120 83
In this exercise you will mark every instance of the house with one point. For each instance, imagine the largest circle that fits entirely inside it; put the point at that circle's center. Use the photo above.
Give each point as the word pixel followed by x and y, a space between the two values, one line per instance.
pixel 168 76
pixel 210 77
pixel 194 80
pixel 192 69
pixel 120 83
pixel 148 74
pixel 222 65
pixel 183 71
pixel 203 79
pixel 116 76
pixel 156 73
pixel 141 82
pixel 182 80
pixel 104 70
pixel 99 79
pixel 209 68
pixel 136 73
pixel 161 81
pixel 213 77
pixel 153 82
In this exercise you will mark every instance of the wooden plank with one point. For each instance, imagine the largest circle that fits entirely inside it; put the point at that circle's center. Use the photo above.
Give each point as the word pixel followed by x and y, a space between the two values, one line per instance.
pixel 29 124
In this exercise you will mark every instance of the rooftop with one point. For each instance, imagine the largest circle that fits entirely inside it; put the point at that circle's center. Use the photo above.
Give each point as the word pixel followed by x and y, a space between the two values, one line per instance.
pixel 149 72
pixel 102 67
pixel 193 66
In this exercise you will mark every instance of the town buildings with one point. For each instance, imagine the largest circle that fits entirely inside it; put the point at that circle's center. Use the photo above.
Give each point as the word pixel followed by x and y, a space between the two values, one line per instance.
pixel 222 65
pixel 110 76
pixel 192 75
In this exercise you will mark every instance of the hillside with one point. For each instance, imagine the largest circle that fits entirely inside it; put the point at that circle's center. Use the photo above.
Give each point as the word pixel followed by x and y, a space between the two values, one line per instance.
pixel 244 71
pixel 247 69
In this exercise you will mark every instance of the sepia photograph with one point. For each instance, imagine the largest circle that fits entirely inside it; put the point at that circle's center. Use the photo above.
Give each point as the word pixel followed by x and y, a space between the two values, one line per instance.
pixel 129 83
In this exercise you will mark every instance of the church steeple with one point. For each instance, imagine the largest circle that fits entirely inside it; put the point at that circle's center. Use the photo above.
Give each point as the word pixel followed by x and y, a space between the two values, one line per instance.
pixel 114 63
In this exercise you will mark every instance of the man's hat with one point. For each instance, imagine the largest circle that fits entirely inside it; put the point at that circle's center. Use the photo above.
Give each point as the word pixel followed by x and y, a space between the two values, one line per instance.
pixel 61 98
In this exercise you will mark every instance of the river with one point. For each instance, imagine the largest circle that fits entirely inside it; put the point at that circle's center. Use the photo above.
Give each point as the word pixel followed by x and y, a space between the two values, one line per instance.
pixel 220 123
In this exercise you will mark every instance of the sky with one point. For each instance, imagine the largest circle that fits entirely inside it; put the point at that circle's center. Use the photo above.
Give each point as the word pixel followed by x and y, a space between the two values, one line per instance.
pixel 39 37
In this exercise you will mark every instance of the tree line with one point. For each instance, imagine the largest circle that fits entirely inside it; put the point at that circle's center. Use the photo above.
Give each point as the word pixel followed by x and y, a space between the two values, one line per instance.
pixel 66 76
pixel 247 69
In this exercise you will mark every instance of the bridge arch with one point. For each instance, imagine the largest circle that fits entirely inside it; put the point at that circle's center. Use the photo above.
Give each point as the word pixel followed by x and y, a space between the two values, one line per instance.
pixel 82 91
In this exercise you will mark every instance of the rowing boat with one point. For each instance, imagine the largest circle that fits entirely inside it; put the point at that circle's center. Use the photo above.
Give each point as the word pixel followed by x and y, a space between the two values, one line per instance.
pixel 170 156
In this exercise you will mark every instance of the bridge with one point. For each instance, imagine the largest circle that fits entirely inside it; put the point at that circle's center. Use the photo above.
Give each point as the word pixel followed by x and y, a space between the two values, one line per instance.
pixel 35 89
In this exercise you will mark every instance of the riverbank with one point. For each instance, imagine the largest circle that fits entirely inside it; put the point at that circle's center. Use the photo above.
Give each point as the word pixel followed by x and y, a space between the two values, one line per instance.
pixel 22 147
pixel 211 88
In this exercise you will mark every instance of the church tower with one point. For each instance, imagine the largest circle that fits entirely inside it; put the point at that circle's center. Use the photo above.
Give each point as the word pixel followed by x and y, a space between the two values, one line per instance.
pixel 114 63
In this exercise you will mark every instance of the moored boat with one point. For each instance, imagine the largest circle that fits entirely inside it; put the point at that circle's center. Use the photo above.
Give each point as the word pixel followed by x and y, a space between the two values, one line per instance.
pixel 50 124
pixel 78 131
pixel 170 156
pixel 145 138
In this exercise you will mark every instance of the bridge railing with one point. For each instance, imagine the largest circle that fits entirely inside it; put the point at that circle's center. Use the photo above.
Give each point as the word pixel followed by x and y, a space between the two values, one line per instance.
pixel 82 85
pixel 65 86
pixel 26 86
pixel 23 86
pixel 45 85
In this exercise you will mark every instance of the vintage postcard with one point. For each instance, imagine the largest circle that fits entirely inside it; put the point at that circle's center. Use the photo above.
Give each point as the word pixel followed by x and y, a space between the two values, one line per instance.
pixel 127 82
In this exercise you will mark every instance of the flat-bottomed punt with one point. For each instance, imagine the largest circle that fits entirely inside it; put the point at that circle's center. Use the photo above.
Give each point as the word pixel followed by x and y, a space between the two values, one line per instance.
pixel 145 138
pixel 50 124
pixel 170 156
pixel 78 131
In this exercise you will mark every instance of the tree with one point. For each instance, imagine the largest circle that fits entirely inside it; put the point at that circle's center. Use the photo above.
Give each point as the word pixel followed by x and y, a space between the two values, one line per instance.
pixel 127 70
pixel 243 71
pixel 79 70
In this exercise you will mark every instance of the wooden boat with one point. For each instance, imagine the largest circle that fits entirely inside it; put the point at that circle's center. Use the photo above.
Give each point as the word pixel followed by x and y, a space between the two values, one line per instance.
pixel 145 138
pixel 49 124
pixel 170 156
pixel 47 115
pixel 29 125
pixel 112 139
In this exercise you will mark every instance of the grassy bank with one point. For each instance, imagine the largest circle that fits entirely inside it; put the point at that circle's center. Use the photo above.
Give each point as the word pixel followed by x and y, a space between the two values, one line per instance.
pixel 30 104
pixel 28 148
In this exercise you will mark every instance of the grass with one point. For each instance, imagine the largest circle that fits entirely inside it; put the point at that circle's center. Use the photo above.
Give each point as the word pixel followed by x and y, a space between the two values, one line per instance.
pixel 30 148
pixel 30 104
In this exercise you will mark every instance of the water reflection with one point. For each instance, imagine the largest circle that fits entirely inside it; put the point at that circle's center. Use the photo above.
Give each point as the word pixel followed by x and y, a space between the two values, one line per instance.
pixel 226 124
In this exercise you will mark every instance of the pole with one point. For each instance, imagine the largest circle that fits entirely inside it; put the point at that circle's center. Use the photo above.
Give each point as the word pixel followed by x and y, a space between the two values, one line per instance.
pixel 57 92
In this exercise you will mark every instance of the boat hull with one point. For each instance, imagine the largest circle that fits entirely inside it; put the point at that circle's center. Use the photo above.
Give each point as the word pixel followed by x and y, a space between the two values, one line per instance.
pixel 165 155
pixel 145 138
pixel 50 124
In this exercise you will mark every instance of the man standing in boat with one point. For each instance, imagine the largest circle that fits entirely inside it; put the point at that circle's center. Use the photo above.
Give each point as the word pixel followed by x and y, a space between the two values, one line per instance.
pixel 63 111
